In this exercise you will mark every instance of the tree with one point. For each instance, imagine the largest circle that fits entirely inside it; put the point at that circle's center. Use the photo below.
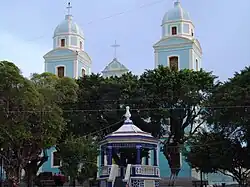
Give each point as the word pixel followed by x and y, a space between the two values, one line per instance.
pixel 55 93
pixel 154 97
pixel 78 155
pixel 101 104
pixel 228 109
pixel 31 118
pixel 177 96
pixel 214 151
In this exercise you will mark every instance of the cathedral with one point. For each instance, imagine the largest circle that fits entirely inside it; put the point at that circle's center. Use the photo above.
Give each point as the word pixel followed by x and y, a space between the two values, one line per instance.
pixel 178 48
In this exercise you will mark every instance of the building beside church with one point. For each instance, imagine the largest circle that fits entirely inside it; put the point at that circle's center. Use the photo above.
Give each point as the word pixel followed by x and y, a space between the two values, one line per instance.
pixel 177 48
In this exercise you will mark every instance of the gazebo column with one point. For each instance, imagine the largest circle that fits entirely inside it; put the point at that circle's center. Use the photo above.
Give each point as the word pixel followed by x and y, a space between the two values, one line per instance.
pixel 109 155
pixel 155 156
pixel 147 159
pixel 138 154
pixel 102 157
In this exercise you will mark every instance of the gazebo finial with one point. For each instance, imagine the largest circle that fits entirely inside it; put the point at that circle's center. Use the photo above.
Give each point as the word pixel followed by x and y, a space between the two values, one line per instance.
pixel 127 114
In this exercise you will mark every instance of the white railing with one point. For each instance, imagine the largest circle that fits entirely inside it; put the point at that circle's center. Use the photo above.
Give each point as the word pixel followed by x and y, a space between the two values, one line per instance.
pixel 146 170
pixel 105 170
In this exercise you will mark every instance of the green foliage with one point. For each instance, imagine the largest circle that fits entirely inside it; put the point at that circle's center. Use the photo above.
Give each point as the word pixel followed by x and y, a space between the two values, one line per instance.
pixel 31 116
pixel 215 152
pixel 229 130
pixel 78 155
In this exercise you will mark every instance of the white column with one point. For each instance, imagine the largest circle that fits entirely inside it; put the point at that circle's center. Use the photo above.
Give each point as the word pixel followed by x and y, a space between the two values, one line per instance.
pixel 150 158
pixel 105 160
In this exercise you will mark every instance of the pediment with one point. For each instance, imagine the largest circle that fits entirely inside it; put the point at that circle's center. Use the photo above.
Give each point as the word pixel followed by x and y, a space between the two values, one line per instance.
pixel 115 65
pixel 85 56
pixel 59 52
pixel 170 41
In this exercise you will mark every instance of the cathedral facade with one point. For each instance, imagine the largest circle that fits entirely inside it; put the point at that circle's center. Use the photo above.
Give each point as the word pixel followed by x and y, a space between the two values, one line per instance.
pixel 177 48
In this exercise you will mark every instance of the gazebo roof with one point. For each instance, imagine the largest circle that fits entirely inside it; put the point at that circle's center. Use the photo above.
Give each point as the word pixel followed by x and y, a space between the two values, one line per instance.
pixel 128 129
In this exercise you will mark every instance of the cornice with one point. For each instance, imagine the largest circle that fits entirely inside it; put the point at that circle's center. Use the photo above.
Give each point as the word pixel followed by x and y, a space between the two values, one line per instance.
pixel 178 21
pixel 189 41
pixel 174 47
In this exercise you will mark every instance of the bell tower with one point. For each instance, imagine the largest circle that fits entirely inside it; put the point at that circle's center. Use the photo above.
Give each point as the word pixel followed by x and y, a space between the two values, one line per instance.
pixel 68 57
pixel 178 48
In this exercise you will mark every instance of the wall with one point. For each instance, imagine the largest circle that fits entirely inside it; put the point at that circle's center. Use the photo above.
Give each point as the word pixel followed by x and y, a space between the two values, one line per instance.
pixel 68 64
pixel 165 170
pixel 182 53
pixel 47 166
pixel 85 66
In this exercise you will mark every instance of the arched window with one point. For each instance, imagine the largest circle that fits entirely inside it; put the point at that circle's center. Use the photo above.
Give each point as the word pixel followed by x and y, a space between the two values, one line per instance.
pixel 56 161
pixel 60 71
pixel 173 63
pixel 196 65
pixel 83 72
pixel 174 30
pixel 62 42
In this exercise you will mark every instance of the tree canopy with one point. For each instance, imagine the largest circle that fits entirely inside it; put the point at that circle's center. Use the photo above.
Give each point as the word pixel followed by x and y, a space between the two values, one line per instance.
pixel 31 117
pixel 228 130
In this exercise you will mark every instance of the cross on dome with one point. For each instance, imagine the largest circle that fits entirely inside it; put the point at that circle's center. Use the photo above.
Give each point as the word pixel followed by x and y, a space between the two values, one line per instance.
pixel 115 45
pixel 69 7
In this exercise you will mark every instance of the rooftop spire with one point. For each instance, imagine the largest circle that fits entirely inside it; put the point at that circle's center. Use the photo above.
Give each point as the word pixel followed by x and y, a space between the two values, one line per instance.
pixel 177 2
pixel 69 8
pixel 68 15
pixel 115 45
pixel 127 114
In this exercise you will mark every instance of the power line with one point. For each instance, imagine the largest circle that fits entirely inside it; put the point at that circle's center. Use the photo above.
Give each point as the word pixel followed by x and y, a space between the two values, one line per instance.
pixel 122 109
pixel 110 16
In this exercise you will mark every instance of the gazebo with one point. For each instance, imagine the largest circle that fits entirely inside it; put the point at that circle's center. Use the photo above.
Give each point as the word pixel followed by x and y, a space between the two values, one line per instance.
pixel 129 157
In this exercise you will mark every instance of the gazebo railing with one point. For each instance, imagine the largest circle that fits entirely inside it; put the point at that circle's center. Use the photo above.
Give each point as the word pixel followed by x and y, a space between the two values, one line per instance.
pixel 145 170
pixel 105 170
pixel 136 170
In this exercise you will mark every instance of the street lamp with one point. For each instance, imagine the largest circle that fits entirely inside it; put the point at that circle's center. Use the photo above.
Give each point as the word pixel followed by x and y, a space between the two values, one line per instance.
pixel 1 167
pixel 28 174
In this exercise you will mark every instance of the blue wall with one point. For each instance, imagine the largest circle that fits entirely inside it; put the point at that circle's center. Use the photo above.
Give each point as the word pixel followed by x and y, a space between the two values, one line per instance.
pixel 47 166
pixel 165 170
pixel 183 54
pixel 85 66
pixel 68 64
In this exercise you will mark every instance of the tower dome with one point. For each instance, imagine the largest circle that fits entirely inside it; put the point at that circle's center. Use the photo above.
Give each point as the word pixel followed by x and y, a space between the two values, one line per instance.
pixel 176 14
pixel 69 34
pixel 177 22
pixel 68 26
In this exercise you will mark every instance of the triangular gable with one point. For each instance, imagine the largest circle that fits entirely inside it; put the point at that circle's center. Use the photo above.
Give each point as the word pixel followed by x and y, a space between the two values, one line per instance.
pixel 115 65
pixel 59 52
pixel 173 41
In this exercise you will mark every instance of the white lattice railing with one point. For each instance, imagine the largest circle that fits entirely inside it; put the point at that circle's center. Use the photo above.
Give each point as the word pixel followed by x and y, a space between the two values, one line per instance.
pixel 105 170
pixel 146 170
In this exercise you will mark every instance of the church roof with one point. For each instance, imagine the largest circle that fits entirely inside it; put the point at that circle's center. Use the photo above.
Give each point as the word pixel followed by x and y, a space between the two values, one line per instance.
pixel 176 13
pixel 115 65
pixel 68 26
pixel 129 129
